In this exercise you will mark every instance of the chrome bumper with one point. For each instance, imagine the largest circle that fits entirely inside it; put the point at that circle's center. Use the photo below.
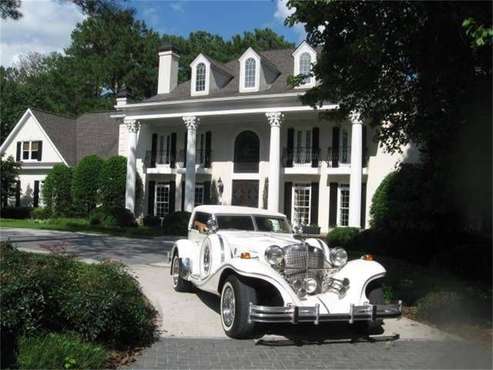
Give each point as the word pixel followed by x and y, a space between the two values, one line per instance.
pixel 299 314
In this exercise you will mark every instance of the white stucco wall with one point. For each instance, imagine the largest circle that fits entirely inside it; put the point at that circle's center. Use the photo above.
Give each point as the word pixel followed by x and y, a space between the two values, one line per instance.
pixel 30 130
pixel 27 178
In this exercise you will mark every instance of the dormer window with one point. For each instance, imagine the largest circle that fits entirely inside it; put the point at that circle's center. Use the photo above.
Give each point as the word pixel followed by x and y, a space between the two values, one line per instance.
pixel 304 57
pixel 250 76
pixel 200 77
pixel 305 67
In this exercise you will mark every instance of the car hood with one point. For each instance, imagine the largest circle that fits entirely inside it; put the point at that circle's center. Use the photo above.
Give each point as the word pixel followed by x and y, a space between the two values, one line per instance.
pixel 255 241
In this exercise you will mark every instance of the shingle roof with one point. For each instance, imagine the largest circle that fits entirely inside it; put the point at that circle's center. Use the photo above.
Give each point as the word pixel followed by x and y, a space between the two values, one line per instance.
pixel 281 59
pixel 75 138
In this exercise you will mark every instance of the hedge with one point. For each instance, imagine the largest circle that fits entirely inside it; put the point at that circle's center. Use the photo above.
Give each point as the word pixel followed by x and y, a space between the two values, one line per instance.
pixel 85 183
pixel 112 181
pixel 57 190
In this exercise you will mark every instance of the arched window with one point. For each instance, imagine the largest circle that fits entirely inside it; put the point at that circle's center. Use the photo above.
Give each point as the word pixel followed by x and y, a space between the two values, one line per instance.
pixel 305 67
pixel 200 77
pixel 247 152
pixel 250 66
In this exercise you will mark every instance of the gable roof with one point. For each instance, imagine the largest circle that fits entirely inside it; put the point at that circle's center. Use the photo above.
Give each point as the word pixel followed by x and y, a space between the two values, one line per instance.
pixel 279 59
pixel 75 138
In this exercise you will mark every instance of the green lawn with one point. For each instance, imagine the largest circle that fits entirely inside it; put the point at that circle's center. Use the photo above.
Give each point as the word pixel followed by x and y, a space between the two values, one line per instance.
pixel 79 224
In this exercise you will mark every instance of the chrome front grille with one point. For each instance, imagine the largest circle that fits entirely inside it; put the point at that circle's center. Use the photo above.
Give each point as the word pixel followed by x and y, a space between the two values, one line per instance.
pixel 304 256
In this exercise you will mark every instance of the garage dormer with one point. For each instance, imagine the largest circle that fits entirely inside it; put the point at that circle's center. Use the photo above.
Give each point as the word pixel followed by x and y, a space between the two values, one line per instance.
pixel 304 58
pixel 207 76
pixel 256 72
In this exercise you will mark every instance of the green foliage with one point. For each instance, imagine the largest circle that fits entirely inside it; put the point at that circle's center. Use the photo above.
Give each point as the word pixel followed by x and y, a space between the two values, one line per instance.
pixel 59 351
pixel 176 223
pixel 115 217
pixel 342 237
pixel 112 180
pixel 85 183
pixel 10 9
pixel 40 213
pixel 9 172
pixel 57 192
pixel 101 302
pixel 152 221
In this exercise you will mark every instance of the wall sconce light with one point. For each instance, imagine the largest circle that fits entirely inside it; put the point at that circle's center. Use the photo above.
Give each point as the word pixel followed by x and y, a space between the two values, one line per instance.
pixel 220 186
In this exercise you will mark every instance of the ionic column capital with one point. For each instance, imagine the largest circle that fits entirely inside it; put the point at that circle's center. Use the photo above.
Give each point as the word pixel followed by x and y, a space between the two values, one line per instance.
pixel 132 125
pixel 275 118
pixel 191 122
pixel 355 117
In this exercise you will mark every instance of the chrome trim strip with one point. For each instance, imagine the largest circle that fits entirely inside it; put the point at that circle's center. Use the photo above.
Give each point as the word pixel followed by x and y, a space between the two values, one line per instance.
pixel 221 241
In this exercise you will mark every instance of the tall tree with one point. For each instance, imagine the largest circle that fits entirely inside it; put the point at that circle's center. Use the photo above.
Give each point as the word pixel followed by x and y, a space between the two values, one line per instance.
pixel 9 172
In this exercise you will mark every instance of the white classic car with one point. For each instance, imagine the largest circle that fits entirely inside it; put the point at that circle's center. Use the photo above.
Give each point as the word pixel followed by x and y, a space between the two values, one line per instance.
pixel 264 274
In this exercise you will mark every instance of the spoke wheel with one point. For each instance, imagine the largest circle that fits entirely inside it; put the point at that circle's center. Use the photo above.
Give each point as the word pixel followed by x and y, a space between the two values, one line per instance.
pixel 179 284
pixel 236 297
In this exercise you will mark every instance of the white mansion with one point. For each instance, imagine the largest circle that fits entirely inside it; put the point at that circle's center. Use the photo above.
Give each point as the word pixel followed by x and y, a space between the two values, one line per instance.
pixel 236 133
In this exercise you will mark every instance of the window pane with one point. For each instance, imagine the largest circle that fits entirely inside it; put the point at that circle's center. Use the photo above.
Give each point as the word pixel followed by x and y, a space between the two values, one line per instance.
pixel 344 206
pixel 162 200
pixel 301 204
pixel 250 72
pixel 305 67
pixel 235 222
pixel 25 150
pixel 200 77
pixel 199 195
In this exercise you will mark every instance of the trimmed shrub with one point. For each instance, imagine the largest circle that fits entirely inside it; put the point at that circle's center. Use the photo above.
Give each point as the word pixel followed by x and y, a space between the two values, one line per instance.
pixel 85 183
pixel 176 223
pixel 40 213
pixel 57 190
pixel 342 237
pixel 152 221
pixel 112 180
pixel 59 351
pixel 96 217
pixel 100 302
pixel 16 212
pixel 441 307
pixel 120 217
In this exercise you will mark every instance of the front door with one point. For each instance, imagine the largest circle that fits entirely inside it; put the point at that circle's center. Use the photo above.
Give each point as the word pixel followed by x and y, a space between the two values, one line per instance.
pixel 245 193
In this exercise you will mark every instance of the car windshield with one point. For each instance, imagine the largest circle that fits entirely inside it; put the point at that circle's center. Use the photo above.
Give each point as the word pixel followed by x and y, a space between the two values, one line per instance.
pixel 228 222
pixel 272 224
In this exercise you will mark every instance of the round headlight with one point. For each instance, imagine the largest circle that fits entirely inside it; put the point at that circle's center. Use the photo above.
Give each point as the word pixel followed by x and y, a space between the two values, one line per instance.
pixel 310 285
pixel 338 257
pixel 274 255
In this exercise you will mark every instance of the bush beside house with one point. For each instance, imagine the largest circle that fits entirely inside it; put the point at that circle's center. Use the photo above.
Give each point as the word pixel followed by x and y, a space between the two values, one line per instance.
pixel 57 190
pixel 91 303
pixel 85 184
pixel 112 180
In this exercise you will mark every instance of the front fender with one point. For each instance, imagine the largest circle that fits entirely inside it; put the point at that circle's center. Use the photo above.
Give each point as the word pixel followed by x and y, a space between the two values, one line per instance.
pixel 184 248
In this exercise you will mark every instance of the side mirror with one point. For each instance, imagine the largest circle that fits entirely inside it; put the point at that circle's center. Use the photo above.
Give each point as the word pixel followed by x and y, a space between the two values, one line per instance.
pixel 212 225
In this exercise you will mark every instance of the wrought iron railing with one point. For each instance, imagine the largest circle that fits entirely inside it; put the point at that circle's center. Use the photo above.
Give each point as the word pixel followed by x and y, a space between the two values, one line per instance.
pixel 202 157
pixel 152 159
pixel 342 156
pixel 301 157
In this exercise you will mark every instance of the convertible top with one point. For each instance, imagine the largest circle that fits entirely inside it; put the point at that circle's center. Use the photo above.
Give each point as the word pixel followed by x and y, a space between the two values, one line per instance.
pixel 215 209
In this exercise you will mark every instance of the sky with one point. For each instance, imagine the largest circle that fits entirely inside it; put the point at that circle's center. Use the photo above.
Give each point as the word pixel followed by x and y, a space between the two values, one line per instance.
pixel 46 25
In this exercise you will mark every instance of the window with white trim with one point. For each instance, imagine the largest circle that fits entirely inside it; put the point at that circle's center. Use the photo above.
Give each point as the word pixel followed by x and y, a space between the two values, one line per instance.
pixel 302 146
pixel 305 67
pixel 200 77
pixel 161 200
pixel 200 149
pixel 164 149
pixel 199 194
pixel 343 205
pixel 30 150
pixel 250 76
pixel 345 154
pixel 301 204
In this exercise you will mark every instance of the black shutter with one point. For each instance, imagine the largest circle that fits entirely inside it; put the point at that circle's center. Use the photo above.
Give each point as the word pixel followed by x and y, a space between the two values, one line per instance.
pixel 183 194
pixel 36 194
pixel 172 191
pixel 173 150
pixel 151 186
pixel 315 146
pixel 314 205
pixel 333 204
pixel 185 150
pixel 288 190
pixel 18 193
pixel 365 146
pixel 335 146
pixel 40 150
pixel 207 192
pixel 18 154
pixel 363 205
pixel 208 143
pixel 289 159
pixel 153 150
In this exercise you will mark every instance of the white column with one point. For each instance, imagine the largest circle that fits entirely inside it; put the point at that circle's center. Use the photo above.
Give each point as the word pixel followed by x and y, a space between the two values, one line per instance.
pixel 356 173
pixel 133 130
pixel 191 122
pixel 275 120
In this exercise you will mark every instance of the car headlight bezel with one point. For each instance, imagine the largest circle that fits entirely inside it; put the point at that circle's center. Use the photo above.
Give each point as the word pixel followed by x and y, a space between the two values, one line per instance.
pixel 338 257
pixel 274 255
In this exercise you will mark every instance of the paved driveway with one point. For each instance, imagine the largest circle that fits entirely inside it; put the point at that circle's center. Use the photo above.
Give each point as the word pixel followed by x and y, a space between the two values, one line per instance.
pixel 191 333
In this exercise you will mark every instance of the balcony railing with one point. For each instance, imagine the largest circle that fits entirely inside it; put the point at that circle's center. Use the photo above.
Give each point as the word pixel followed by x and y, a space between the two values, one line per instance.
pixel 301 157
pixel 153 159
pixel 342 156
